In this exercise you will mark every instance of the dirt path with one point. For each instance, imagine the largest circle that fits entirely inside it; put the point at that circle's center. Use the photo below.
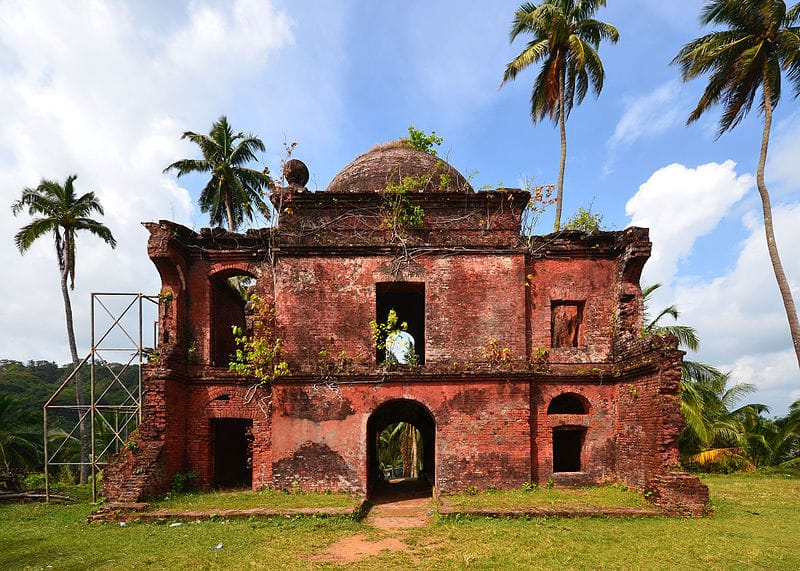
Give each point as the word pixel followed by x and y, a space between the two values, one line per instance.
pixel 402 514
pixel 393 513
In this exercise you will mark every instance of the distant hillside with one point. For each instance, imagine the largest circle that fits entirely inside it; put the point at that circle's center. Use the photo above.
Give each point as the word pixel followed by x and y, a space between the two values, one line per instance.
pixel 33 383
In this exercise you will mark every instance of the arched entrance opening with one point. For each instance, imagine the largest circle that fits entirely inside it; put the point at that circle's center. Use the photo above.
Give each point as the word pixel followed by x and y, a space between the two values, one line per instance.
pixel 401 444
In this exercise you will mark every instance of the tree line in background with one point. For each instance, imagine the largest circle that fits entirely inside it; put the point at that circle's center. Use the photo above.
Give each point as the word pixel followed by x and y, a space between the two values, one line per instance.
pixel 25 387
pixel 721 434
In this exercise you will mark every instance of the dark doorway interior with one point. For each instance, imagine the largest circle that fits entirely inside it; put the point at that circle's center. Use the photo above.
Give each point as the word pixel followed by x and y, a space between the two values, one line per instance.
pixel 408 301
pixel 233 452
pixel 567 448
pixel 416 482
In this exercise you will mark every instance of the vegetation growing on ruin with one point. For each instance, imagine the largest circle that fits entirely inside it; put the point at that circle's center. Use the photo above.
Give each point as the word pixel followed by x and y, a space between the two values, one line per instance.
pixel 259 355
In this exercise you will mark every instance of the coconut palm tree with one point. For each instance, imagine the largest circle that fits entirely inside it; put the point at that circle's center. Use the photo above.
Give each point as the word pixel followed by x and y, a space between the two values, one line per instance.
pixel 233 190
pixel 760 40
pixel 57 211
pixel 565 41
pixel 715 432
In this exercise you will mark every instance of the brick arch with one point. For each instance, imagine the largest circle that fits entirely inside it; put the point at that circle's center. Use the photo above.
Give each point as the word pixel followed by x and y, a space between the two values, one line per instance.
pixel 241 404
pixel 227 310
pixel 226 270
pixel 203 410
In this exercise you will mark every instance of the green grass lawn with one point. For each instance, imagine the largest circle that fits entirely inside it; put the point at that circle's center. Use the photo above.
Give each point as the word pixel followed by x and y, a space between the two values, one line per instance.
pixel 756 524
pixel 549 497
pixel 266 498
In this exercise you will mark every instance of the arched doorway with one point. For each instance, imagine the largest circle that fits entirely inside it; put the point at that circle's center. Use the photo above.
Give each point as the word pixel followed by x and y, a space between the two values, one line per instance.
pixel 413 471
pixel 569 439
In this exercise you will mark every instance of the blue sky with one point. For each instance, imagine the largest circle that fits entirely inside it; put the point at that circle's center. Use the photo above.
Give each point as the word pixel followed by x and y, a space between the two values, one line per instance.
pixel 105 88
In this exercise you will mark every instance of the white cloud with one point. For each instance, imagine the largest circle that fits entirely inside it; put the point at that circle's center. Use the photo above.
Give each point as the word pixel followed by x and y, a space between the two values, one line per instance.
pixel 92 88
pixel 681 204
pixel 221 42
pixel 740 316
pixel 648 115
pixel 783 167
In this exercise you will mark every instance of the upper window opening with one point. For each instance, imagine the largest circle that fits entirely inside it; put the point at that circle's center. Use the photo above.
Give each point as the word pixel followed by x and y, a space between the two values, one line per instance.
pixel 407 299
pixel 566 404
pixel 565 324
pixel 228 299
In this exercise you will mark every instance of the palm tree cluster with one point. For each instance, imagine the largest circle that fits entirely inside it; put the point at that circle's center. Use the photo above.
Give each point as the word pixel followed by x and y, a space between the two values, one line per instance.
pixel 20 436
pixel 719 435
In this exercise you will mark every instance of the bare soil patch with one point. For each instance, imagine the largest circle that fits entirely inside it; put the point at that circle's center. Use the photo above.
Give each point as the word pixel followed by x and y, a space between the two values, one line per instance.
pixel 357 547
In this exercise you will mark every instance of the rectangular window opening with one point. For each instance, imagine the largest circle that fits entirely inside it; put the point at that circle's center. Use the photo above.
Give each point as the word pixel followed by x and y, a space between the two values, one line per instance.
pixel 565 323
pixel 407 299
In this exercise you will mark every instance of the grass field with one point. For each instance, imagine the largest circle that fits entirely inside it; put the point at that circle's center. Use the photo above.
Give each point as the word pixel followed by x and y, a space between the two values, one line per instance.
pixel 756 524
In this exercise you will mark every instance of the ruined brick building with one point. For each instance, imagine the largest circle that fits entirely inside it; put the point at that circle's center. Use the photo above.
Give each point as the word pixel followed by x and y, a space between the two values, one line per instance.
pixel 531 363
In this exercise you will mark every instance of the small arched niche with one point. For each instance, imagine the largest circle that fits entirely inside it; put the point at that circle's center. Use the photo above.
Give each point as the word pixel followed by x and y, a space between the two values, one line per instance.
pixel 568 403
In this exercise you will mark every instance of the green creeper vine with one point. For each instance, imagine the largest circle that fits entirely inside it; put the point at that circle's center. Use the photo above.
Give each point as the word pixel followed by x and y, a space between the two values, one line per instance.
pixel 381 332
pixel 399 213
pixel 260 355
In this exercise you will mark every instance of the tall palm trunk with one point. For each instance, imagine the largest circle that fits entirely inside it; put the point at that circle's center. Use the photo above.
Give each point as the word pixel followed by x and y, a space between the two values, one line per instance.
pixel 229 213
pixel 772 247
pixel 563 128
pixel 83 427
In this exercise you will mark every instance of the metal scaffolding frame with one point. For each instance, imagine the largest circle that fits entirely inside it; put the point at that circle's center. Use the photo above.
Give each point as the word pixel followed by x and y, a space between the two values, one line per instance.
pixel 114 408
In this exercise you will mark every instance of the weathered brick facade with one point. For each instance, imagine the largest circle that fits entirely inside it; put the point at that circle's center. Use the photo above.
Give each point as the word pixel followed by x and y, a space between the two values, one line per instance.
pixel 532 363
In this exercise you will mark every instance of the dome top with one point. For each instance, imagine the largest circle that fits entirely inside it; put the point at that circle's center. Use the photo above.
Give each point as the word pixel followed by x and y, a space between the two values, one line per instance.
pixel 392 162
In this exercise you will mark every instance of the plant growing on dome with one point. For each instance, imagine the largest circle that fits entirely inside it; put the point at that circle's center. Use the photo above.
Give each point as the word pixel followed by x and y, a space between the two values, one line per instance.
pixel 421 141
pixel 399 213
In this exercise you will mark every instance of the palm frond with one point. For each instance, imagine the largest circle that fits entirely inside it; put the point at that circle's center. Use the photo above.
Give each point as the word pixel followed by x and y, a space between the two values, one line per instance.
pixel 746 56
pixel 716 455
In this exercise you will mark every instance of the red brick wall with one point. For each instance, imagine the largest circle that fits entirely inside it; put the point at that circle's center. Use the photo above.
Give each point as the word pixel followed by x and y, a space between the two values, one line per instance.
pixel 648 420
pixel 598 457
pixel 469 300
pixel 589 281
pixel 491 421
pixel 482 431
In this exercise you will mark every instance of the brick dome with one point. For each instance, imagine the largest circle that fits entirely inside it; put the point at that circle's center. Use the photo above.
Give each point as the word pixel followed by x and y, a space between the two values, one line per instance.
pixel 392 162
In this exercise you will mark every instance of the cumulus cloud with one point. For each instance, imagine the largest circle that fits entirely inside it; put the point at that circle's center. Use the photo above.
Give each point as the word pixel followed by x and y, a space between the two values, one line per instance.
pixel 740 315
pixel 680 204
pixel 90 88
